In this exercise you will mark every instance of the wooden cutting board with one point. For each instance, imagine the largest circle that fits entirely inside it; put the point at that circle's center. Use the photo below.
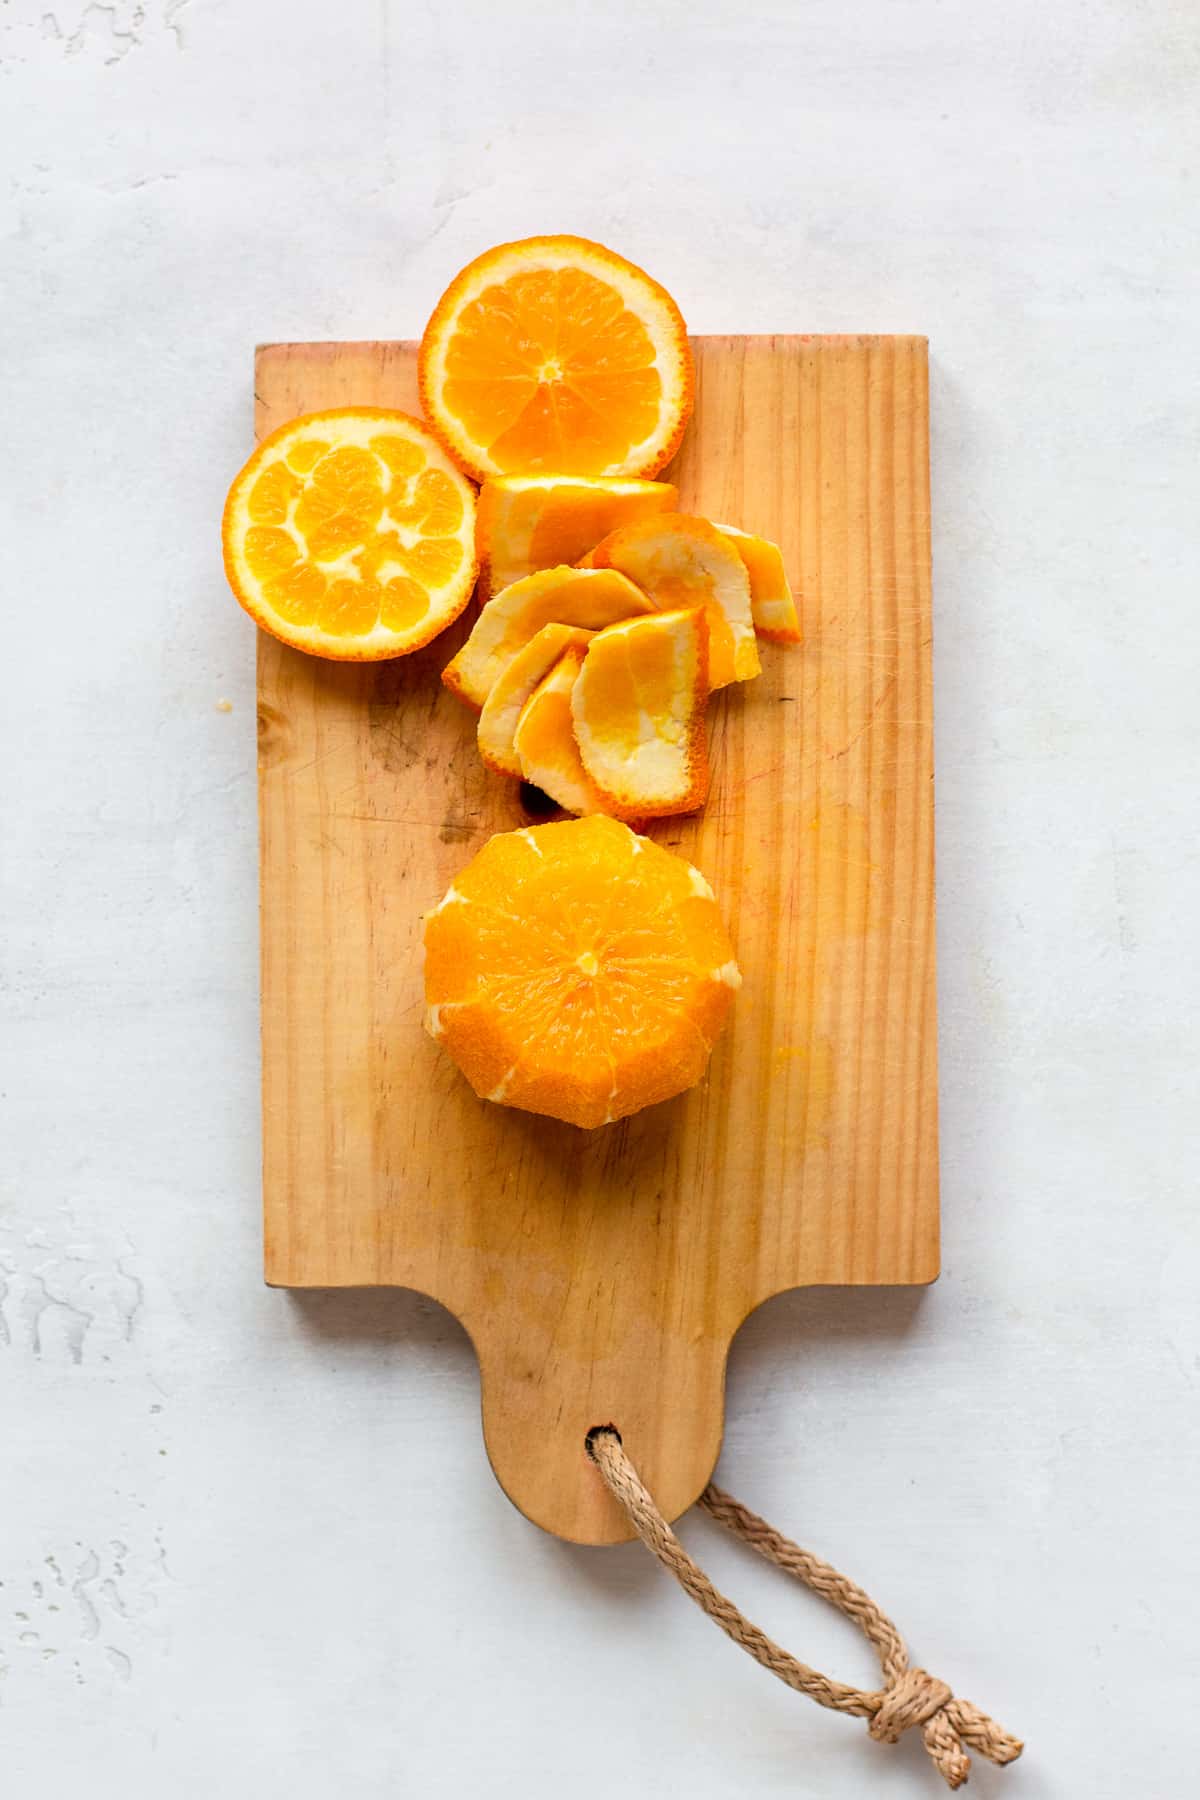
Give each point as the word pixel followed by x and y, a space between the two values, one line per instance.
pixel 602 1276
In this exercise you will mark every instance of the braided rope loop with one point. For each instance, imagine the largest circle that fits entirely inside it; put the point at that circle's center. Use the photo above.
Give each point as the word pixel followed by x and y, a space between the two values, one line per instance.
pixel 909 1697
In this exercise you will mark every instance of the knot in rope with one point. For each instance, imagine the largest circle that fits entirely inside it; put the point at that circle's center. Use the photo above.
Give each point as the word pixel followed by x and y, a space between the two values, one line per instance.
pixel 915 1697
pixel 947 1724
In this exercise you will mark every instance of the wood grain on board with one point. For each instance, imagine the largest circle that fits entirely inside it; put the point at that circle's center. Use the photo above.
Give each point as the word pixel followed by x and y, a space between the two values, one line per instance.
pixel 601 1276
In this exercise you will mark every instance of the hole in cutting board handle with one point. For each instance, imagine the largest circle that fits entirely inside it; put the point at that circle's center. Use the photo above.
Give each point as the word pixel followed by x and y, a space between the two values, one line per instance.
pixel 589 1442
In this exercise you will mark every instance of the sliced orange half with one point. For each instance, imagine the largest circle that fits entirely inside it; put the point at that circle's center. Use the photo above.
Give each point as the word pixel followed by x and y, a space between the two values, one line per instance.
pixel 638 712
pixel 545 739
pixel 578 970
pixel 529 522
pixel 682 561
pixel 771 600
pixel 514 686
pixel 351 534
pixel 554 354
pixel 588 597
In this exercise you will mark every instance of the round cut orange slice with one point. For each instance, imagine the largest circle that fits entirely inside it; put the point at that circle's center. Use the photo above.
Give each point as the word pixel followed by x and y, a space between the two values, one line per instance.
pixel 351 534
pixel 553 354
pixel 579 971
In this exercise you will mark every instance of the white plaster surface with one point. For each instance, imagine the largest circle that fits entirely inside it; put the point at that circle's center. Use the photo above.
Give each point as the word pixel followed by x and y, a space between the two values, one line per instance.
pixel 249 1544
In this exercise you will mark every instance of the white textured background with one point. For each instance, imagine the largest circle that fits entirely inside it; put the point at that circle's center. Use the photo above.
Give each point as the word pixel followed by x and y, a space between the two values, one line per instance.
pixel 249 1544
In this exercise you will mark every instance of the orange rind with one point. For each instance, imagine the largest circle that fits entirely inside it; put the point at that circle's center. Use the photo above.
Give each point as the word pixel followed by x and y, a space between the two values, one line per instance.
pixel 555 355
pixel 579 971
pixel 683 561
pixel 544 739
pixel 637 707
pixel 528 522
pixel 350 534
pixel 771 600
pixel 514 686
pixel 588 597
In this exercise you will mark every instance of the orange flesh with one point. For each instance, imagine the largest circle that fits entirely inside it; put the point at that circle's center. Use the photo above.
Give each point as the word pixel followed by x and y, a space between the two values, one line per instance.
pixel 340 510
pixel 550 370
pixel 577 970
pixel 553 354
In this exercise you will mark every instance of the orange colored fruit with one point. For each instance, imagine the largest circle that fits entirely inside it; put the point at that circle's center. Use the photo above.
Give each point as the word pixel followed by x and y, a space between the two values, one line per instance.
pixel 529 522
pixel 771 601
pixel 554 354
pixel 681 561
pixel 578 970
pixel 587 597
pixel 544 739
pixel 638 711
pixel 514 686
pixel 351 534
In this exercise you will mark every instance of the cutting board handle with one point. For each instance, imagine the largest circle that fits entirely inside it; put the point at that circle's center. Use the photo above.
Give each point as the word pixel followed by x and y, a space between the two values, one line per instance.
pixel 541 1401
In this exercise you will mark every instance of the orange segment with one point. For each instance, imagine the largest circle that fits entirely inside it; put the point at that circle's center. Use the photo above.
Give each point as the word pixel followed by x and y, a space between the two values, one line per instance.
pixel 404 603
pixel 441 499
pixel 638 712
pixel 271 495
pixel 348 609
pixel 682 561
pixel 296 593
pixel 529 522
pixel 514 686
pixel 578 970
pixel 587 597
pixel 351 534
pixel 554 353
pixel 771 600
pixel 305 452
pixel 544 739
pixel 340 504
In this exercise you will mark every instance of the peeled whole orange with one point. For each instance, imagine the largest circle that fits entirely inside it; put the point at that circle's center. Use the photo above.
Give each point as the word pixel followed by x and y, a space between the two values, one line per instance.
pixel 579 971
